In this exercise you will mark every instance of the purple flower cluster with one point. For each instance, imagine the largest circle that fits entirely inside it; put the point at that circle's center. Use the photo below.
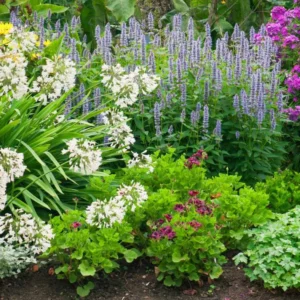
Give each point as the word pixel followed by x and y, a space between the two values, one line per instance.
pixel 164 232
pixel 293 113
pixel 195 159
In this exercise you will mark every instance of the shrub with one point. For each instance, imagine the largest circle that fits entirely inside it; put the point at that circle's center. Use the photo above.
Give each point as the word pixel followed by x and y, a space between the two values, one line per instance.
pixel 238 212
pixel 82 249
pixel 273 252
pixel 185 244
pixel 283 190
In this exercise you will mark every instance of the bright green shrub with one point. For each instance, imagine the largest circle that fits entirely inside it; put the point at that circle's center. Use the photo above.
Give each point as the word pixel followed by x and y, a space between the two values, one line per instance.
pixel 238 212
pixel 83 250
pixel 283 190
pixel 273 252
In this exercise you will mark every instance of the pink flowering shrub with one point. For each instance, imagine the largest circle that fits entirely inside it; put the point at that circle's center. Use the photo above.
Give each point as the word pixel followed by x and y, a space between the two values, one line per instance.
pixel 185 244
pixel 284 30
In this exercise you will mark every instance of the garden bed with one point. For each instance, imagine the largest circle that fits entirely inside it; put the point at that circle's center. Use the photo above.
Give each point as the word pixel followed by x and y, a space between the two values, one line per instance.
pixel 137 283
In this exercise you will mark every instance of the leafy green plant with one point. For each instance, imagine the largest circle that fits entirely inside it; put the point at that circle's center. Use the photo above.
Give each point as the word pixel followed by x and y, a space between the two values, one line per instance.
pixel 185 244
pixel 283 190
pixel 169 173
pixel 83 250
pixel 238 212
pixel 273 252
pixel 26 7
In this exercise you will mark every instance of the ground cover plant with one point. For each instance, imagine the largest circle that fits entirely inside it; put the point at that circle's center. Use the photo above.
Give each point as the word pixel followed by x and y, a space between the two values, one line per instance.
pixel 148 140
pixel 273 252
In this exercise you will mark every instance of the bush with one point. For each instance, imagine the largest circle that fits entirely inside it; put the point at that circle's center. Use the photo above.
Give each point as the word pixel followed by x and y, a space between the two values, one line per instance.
pixel 185 244
pixel 283 190
pixel 82 249
pixel 273 252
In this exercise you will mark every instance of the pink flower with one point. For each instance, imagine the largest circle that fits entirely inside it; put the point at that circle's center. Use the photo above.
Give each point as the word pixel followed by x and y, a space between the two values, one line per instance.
pixel 179 207
pixel 76 224
pixel 168 217
pixel 296 69
pixel 258 38
pixel 277 12
pixel 193 193
pixel 196 225
pixel 291 41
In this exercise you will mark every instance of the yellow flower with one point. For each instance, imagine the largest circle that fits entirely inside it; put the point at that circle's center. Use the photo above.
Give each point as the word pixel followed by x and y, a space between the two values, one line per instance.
pixel 223 1
pixel 34 56
pixel 5 28
pixel 47 43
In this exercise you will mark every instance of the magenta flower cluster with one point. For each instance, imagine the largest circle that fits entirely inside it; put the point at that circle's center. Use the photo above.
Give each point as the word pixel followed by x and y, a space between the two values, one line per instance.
pixel 195 159
pixel 165 231
pixel 284 30
pixel 293 113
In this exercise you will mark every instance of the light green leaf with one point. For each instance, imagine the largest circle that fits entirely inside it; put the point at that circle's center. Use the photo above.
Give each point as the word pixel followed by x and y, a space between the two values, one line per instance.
pixel 84 291
pixel 131 254
pixel 4 10
pixel 181 6
pixel 121 9
pixel 42 9
pixel 86 269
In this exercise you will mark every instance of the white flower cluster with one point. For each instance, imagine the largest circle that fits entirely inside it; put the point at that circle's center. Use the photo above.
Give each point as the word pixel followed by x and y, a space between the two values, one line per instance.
pixel 3 182
pixel 13 80
pixel 132 196
pixel 120 134
pixel 105 214
pixel 58 76
pixel 22 235
pixel 84 157
pixel 126 87
pixel 21 40
pixel 142 160
pixel 11 167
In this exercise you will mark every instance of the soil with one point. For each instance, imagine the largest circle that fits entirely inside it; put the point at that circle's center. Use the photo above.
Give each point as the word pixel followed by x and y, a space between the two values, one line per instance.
pixel 138 283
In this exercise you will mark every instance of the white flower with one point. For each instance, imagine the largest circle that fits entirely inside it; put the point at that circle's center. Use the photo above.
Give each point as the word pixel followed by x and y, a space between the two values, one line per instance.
pixel 84 157
pixel 21 41
pixel 105 214
pixel 127 87
pixel 26 231
pixel 120 134
pixel 141 161
pixel 13 80
pixel 133 195
pixel 58 76
pixel 12 163
pixel 3 182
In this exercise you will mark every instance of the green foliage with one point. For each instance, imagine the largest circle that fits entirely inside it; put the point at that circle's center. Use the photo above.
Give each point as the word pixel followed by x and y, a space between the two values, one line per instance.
pixel 239 212
pixel 83 250
pixel 188 252
pixel 169 173
pixel 273 252
pixel 48 183
pixel 283 190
